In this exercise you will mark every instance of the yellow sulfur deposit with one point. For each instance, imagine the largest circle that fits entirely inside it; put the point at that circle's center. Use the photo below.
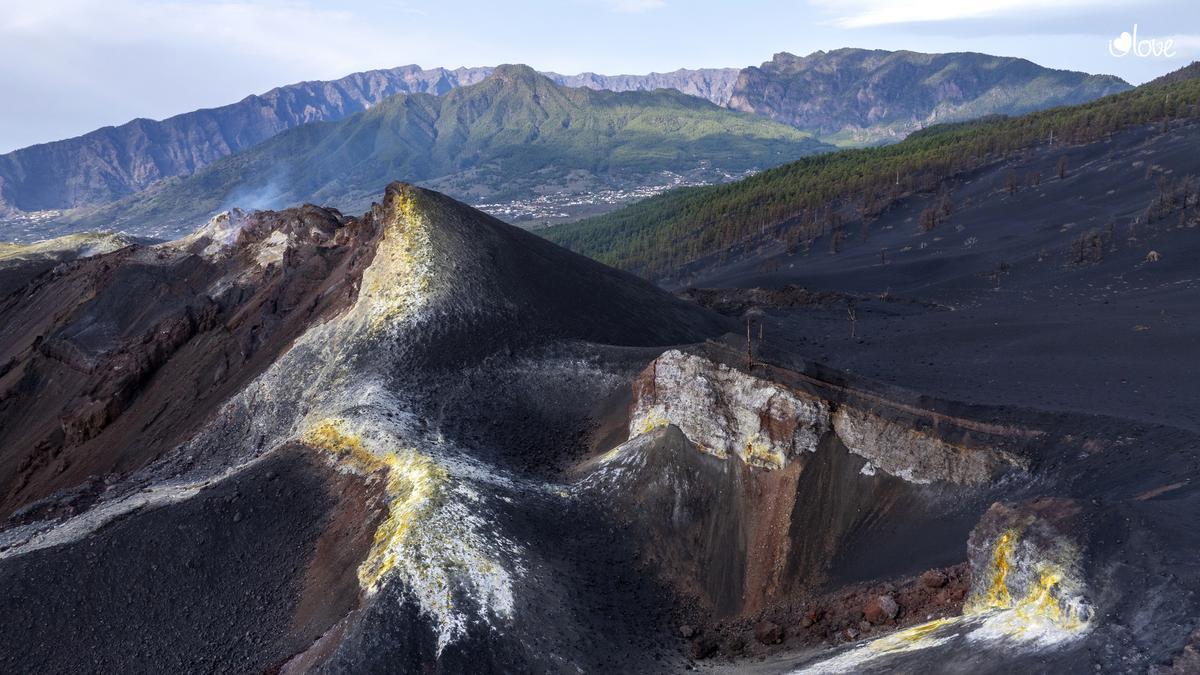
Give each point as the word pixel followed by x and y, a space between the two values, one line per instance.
pixel 910 638
pixel 1051 611
pixel 760 452
pixel 413 485
pixel 653 419
pixel 1044 602
pixel 997 595
pixel 398 280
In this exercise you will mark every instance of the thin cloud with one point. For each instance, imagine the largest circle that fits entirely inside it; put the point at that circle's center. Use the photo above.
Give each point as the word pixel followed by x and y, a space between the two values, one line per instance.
pixel 871 13
pixel 1189 43
pixel 107 61
pixel 634 6
pixel 314 38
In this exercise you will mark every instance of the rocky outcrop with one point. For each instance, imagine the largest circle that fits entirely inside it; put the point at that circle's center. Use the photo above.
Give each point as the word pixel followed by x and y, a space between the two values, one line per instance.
pixel 915 455
pixel 1026 569
pixel 726 412
pixel 867 96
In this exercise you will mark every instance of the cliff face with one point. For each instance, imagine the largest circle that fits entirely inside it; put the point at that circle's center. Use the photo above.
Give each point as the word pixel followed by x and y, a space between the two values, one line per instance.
pixel 745 487
pixel 112 162
pixel 713 84
pixel 726 412
pixel 867 96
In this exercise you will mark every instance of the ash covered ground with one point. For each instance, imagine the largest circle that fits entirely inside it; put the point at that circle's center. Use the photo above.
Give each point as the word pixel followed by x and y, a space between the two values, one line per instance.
pixel 422 440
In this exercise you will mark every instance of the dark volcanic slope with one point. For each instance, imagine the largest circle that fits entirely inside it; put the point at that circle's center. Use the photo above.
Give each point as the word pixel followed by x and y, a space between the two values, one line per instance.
pixel 422 440
pixel 265 391
pixel 1048 297
pixel 209 583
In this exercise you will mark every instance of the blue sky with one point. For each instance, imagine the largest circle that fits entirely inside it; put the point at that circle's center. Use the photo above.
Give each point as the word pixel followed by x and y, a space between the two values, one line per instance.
pixel 69 66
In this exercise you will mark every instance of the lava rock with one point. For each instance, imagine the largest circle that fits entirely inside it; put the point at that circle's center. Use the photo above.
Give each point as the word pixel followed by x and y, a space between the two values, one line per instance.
pixel 880 609
pixel 768 633
pixel 933 579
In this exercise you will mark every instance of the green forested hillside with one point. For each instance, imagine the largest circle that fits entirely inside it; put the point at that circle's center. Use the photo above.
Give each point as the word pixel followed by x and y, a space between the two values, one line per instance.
pixel 505 137
pixel 809 196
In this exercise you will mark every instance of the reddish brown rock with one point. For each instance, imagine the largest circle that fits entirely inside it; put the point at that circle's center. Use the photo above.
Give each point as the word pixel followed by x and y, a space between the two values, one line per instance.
pixel 933 579
pixel 880 609
pixel 812 616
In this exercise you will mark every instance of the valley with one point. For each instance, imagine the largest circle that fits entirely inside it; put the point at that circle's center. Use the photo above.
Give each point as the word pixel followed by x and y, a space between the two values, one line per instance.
pixel 566 206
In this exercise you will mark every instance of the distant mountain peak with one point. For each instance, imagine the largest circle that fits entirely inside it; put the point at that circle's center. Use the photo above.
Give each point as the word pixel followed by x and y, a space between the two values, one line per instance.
pixel 865 96
pixel 514 72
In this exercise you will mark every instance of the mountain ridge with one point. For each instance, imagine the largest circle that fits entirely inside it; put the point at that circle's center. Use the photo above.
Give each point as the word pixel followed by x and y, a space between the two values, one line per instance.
pixel 861 96
pixel 512 134
pixel 113 162
pixel 712 84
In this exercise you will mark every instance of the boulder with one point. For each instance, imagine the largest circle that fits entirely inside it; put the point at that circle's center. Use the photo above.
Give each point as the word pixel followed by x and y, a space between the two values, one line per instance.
pixel 1026 568
pixel 768 633
pixel 880 609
